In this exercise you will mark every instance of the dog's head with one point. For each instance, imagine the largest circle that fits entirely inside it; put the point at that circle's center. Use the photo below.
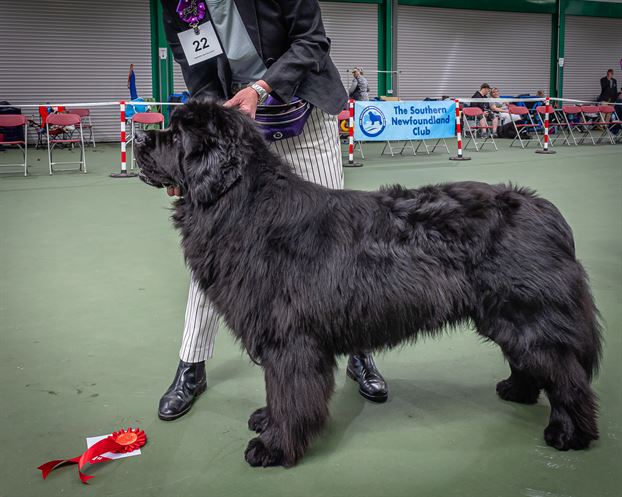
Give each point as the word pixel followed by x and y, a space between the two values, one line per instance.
pixel 204 150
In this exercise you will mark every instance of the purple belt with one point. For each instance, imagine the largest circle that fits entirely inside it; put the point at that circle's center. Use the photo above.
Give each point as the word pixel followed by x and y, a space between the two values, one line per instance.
pixel 278 121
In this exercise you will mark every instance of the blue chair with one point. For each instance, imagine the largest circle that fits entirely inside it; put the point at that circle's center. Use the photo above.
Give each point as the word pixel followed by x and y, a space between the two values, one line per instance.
pixel 130 109
pixel 179 97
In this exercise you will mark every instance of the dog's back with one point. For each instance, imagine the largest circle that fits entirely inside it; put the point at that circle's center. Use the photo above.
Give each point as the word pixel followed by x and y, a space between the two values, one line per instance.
pixel 443 254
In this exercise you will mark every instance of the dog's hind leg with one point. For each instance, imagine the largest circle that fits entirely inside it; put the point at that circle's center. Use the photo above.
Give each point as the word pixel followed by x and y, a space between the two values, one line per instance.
pixel 519 387
pixel 299 382
pixel 540 357
pixel 572 424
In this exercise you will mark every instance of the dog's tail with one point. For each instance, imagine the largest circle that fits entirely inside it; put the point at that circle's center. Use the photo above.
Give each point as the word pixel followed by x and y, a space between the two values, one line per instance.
pixel 556 232
pixel 591 352
pixel 585 314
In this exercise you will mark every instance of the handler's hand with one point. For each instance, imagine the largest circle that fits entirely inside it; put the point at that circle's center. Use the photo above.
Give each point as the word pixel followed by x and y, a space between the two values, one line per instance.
pixel 246 100
pixel 173 191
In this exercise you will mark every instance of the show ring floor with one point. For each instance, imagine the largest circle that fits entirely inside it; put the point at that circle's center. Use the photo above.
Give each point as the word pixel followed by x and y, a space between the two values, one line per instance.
pixel 92 298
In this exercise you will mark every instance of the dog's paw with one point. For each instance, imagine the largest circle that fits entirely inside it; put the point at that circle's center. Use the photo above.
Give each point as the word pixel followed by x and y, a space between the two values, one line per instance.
pixel 258 420
pixel 257 454
pixel 509 390
pixel 565 436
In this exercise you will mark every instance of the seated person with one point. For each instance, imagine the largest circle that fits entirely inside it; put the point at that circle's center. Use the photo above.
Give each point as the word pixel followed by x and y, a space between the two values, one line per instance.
pixel 501 110
pixel 591 118
pixel 540 95
pixel 484 89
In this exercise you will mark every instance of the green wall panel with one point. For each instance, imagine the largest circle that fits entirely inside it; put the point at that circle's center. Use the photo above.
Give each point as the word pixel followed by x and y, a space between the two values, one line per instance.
pixel 569 7
pixel 382 60
pixel 541 6
pixel 592 9
pixel 557 8
pixel 161 70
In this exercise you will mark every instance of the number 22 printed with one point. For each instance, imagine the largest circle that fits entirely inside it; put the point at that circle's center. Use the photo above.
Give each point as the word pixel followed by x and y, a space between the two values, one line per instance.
pixel 197 44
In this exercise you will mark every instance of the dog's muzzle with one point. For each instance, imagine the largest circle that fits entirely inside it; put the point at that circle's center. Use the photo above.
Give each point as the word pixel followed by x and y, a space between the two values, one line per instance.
pixel 146 179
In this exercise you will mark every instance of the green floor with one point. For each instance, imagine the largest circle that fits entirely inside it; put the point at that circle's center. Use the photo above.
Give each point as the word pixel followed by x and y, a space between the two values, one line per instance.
pixel 92 296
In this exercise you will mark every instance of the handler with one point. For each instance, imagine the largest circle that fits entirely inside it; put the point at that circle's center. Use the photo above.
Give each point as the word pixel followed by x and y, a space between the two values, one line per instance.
pixel 241 51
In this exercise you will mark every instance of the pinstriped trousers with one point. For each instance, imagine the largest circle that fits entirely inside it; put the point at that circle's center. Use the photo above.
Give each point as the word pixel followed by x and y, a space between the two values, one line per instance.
pixel 316 156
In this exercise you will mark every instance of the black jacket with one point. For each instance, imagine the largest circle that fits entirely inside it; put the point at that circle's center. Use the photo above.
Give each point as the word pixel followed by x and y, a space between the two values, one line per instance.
pixel 608 92
pixel 482 105
pixel 289 36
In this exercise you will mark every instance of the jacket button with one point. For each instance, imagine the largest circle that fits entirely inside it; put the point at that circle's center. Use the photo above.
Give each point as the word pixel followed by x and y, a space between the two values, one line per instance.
pixel 269 61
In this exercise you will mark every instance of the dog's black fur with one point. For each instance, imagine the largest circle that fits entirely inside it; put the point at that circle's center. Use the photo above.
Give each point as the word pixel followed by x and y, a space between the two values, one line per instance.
pixel 302 274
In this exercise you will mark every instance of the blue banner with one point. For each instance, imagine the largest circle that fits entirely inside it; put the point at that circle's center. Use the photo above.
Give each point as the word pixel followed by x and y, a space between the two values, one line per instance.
pixel 409 120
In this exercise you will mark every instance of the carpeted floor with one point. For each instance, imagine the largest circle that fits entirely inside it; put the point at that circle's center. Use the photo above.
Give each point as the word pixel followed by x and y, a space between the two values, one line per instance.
pixel 92 297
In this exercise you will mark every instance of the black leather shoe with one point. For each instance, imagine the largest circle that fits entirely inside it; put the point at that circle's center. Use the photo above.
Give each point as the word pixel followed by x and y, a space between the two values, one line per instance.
pixel 362 369
pixel 190 382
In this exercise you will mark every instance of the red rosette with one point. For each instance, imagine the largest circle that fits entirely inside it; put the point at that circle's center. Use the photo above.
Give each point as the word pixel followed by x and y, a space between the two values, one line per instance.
pixel 120 441
pixel 129 440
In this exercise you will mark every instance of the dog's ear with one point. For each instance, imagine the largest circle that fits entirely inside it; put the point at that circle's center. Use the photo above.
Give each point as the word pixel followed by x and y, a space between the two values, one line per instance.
pixel 210 174
pixel 213 141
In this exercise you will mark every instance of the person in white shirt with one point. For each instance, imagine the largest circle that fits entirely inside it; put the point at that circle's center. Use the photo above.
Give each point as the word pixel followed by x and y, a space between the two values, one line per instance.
pixel 500 109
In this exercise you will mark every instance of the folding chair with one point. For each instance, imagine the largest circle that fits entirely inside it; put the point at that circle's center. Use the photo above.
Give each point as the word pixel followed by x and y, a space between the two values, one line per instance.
pixel 559 122
pixel 62 121
pixel 525 123
pixel 591 112
pixel 39 127
pixel 471 130
pixel 572 120
pixel 614 121
pixel 87 124
pixel 143 119
pixel 602 110
pixel 14 121
pixel 556 128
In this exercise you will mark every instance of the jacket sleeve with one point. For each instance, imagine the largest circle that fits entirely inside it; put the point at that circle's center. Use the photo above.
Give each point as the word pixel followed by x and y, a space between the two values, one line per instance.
pixel 308 49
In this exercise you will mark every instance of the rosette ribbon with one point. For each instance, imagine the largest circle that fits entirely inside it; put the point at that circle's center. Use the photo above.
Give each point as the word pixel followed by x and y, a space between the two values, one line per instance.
pixel 120 441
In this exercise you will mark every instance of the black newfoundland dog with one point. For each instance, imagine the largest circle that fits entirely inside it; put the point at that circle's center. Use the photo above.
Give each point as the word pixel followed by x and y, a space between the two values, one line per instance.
pixel 302 274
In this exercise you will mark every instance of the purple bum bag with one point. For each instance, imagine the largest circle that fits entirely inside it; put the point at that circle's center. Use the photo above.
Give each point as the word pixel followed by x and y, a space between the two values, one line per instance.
pixel 279 121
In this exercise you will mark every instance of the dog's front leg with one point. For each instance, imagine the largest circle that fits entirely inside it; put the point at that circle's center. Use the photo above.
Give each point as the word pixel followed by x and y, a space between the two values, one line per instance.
pixel 299 382
pixel 258 422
